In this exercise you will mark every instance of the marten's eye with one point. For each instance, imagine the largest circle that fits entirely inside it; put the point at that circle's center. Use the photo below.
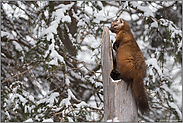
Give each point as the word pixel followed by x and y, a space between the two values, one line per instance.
pixel 115 25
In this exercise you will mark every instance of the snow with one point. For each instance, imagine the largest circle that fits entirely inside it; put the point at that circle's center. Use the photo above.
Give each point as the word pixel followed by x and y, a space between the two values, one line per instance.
pixel 49 99
pixel 154 7
pixel 70 94
pixel 59 15
pixel 66 101
pixel 80 23
pixel 135 17
pixel 98 84
pixel 113 120
pixel 52 98
pixel 154 24
pixel 81 104
pixel 179 32
pixel 31 98
pixel 91 41
pixel 47 120
pixel 116 81
pixel 67 81
pixel 116 119
pixel 29 120
pixel 10 36
pixel 22 99
pixel 92 103
pixel 70 119
pixel 17 46
pixel 54 61
pixel 176 86
pixel 51 29
pixel 15 94
pixel 167 3
pixel 154 63
pixel 165 87
pixel 176 108
pixel 171 26
pixel 9 10
pixel 28 109
pixel 147 11
pixel 109 120
pixel 54 54
pixel 8 115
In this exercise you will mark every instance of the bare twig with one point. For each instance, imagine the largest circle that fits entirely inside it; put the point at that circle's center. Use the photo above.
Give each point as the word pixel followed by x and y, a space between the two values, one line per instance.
pixel 20 73
pixel 161 103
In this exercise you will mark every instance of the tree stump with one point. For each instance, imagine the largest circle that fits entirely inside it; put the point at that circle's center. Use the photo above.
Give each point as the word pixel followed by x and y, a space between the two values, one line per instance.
pixel 118 101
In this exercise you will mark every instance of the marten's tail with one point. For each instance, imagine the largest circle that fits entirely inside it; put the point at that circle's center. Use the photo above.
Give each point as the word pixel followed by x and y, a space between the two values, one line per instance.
pixel 140 95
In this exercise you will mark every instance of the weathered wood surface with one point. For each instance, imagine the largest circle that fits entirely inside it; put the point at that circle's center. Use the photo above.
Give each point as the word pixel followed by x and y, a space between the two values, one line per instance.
pixel 118 102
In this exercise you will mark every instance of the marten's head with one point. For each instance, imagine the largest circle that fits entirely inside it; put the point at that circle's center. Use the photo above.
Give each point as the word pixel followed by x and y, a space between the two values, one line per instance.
pixel 119 25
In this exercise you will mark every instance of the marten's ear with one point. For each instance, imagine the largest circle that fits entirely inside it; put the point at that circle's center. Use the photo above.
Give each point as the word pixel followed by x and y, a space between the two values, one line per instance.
pixel 121 20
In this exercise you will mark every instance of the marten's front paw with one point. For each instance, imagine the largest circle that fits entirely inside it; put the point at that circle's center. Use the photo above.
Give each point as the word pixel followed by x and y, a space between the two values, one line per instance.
pixel 115 75
pixel 116 45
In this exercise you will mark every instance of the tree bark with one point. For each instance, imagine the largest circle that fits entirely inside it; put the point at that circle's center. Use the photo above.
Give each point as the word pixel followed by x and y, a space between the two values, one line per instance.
pixel 118 100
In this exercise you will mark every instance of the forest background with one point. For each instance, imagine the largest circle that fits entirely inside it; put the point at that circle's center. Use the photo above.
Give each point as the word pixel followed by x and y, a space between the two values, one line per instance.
pixel 51 58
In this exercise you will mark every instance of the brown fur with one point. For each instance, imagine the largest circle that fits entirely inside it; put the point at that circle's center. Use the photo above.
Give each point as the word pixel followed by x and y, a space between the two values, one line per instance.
pixel 130 64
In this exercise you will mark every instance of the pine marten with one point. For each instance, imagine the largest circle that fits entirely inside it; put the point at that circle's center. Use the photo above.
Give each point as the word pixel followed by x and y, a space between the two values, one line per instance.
pixel 129 63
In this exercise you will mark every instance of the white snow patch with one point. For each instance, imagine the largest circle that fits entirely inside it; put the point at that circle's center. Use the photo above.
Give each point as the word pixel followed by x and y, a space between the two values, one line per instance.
pixel 29 120
pixel 8 115
pixel 172 27
pixel 80 23
pixel 58 15
pixel 154 24
pixel 176 108
pixel 65 102
pixel 47 120
pixel 54 54
pixel 116 119
pixel 154 63
pixel 67 81
pixel 22 99
pixel 165 87
pixel 97 84
pixel 52 97
pixel 167 3
pixel 17 46
pixel 147 11
pixel 70 94
pixel 10 36
pixel 70 119
pixel 116 81
pixel 54 61
pixel 81 104
pixel 113 120
pixel 31 98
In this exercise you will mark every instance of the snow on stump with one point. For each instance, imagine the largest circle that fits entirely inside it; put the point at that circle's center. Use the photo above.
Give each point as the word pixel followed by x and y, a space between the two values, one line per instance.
pixel 118 101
